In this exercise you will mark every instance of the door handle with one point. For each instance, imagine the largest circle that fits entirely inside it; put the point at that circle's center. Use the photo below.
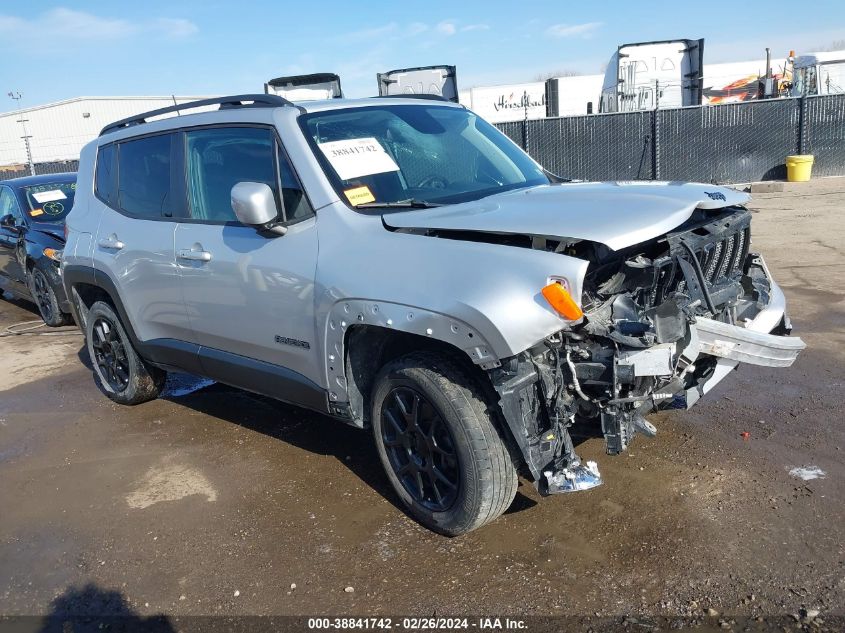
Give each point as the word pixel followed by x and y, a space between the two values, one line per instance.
pixel 111 243
pixel 196 256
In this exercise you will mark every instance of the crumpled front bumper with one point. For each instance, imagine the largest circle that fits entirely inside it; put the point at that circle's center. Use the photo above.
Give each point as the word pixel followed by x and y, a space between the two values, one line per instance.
pixel 751 343
pixel 610 371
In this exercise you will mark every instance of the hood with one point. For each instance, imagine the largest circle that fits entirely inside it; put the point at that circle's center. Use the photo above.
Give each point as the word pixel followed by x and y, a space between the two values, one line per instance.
pixel 617 214
pixel 53 229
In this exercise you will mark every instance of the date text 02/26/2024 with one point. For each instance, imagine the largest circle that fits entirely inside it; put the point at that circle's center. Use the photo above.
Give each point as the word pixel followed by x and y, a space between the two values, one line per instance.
pixel 416 624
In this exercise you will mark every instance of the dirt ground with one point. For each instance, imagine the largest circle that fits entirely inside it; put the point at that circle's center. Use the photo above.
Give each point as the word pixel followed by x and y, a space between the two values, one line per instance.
pixel 214 501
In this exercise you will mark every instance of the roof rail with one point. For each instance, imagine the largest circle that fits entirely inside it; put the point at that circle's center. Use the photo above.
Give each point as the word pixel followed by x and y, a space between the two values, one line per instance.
pixel 236 101
pixel 424 95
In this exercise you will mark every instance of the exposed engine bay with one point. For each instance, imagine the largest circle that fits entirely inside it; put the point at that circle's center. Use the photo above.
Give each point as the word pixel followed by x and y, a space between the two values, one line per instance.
pixel 659 318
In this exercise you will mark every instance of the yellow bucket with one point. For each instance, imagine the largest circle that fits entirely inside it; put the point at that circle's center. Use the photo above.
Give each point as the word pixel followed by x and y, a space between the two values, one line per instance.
pixel 799 167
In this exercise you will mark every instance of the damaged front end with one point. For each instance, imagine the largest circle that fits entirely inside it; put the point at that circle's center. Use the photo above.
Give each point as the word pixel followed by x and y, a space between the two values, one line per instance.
pixel 664 321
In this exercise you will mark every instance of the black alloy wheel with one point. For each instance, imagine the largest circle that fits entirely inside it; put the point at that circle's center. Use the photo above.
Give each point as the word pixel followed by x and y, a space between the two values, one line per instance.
pixel 110 354
pixel 121 372
pixel 43 295
pixel 435 432
pixel 420 449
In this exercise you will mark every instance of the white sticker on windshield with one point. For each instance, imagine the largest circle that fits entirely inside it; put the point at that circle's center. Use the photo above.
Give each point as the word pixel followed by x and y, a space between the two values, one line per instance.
pixel 49 196
pixel 358 157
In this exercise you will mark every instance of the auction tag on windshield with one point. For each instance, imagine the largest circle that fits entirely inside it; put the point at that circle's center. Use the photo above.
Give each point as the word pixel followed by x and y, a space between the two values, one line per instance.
pixel 49 196
pixel 36 212
pixel 358 157
pixel 359 195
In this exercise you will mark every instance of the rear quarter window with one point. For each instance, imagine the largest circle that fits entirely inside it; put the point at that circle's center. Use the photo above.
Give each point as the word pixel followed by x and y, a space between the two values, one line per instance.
pixel 105 180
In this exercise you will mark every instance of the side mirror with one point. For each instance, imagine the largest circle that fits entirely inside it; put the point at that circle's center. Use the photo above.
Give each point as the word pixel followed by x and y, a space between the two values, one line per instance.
pixel 8 221
pixel 255 205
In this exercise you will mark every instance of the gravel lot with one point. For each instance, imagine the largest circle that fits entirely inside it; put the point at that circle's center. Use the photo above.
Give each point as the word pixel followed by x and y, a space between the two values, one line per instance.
pixel 214 501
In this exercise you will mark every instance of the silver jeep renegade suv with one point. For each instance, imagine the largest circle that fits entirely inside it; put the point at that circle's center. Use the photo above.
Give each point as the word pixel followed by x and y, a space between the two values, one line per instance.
pixel 400 265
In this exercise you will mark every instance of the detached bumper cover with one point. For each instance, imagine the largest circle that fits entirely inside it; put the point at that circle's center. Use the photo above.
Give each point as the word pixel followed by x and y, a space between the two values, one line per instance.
pixel 729 342
pixel 745 345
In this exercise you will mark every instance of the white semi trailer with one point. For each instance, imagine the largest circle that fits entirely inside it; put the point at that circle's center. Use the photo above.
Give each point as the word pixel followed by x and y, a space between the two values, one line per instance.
pixel 305 87
pixel 646 75
pixel 510 102
pixel 672 74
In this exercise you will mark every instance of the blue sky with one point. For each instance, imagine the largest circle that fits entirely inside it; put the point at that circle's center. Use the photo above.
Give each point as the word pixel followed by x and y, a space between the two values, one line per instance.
pixel 54 51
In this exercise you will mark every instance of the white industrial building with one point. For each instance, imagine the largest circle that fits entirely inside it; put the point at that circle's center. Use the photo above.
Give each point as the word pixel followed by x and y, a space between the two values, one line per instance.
pixel 58 130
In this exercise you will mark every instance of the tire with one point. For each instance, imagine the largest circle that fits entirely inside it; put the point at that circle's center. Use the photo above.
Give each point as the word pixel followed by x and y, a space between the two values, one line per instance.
pixel 431 426
pixel 122 373
pixel 45 298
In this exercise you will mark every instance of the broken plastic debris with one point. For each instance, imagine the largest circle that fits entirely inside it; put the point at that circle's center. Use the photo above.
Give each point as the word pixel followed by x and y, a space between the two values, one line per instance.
pixel 580 477
pixel 807 472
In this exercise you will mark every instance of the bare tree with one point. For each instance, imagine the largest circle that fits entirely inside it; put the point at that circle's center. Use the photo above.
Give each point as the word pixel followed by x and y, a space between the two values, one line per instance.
pixel 836 45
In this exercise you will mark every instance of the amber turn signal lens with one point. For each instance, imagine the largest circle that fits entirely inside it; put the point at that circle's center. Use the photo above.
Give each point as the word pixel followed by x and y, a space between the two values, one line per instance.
pixel 560 299
pixel 53 253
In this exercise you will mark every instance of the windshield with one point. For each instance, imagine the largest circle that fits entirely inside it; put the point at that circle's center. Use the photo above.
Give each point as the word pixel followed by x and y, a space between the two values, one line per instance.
pixel 50 202
pixel 426 154
pixel 832 77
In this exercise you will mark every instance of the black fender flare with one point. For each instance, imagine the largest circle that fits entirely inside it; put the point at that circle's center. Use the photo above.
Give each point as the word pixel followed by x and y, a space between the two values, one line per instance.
pixel 75 274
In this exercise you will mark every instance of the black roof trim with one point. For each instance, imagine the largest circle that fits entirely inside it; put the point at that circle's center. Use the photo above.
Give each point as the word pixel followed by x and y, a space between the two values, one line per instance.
pixel 235 101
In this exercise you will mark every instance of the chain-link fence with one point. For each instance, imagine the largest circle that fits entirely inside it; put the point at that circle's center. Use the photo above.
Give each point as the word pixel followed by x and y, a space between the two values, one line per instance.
pixel 824 134
pixel 55 167
pixel 738 142
pixel 606 147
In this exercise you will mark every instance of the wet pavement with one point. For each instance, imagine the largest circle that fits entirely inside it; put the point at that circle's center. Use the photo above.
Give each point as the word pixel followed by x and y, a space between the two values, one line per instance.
pixel 213 501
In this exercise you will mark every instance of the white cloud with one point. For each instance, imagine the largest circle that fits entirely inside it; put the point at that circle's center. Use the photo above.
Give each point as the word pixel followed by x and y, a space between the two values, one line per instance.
pixel 725 49
pixel 61 25
pixel 394 31
pixel 373 33
pixel 176 27
pixel 416 28
pixel 573 30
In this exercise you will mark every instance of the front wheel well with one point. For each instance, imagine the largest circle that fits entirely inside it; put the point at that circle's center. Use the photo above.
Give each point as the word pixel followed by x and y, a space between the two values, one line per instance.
pixel 370 347
pixel 83 296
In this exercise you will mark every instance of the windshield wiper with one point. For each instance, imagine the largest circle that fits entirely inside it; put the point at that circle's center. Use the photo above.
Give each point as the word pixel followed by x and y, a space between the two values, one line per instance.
pixel 412 203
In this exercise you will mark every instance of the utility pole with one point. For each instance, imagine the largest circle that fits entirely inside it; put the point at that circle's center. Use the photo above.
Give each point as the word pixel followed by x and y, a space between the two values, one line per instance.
pixel 17 97
pixel 525 143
